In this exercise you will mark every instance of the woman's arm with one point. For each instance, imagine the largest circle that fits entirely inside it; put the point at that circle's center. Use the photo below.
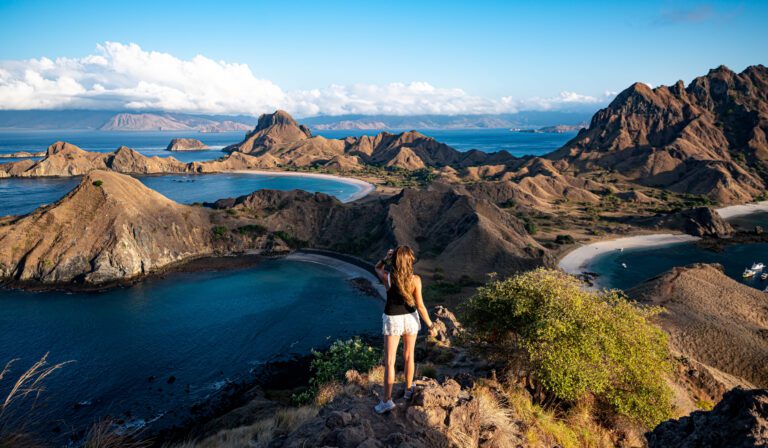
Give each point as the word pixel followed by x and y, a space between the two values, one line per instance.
pixel 381 272
pixel 420 304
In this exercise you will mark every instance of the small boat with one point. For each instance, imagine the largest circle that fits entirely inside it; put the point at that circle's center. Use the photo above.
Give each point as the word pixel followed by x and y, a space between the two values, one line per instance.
pixel 624 265
pixel 621 249
pixel 757 266
pixel 748 273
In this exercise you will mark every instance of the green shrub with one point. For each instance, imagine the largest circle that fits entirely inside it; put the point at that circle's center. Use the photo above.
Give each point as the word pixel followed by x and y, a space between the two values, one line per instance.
pixel 251 229
pixel 332 364
pixel 578 342
pixel 564 239
pixel 219 231
pixel 98 183
pixel 531 227
pixel 290 240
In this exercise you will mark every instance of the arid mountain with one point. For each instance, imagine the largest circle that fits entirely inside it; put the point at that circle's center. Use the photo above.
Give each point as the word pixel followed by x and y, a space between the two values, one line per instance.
pixel 708 138
pixel 280 138
pixel 449 230
pixel 167 122
pixel 713 320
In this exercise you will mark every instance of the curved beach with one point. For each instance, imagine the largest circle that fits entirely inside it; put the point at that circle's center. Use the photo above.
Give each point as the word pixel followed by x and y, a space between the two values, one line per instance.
pixel 743 209
pixel 364 188
pixel 579 259
pixel 350 270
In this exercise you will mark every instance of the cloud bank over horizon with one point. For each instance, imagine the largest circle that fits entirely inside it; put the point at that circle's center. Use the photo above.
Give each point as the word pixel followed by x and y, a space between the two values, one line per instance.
pixel 124 76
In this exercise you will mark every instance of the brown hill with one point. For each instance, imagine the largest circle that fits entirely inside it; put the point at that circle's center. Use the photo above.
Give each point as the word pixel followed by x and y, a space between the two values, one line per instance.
pixel 714 320
pixel 111 227
pixel 448 229
pixel 708 138
pixel 186 144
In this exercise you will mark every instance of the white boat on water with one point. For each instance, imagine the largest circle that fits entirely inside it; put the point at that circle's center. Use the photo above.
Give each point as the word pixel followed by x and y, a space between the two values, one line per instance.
pixel 757 266
pixel 624 265
pixel 748 273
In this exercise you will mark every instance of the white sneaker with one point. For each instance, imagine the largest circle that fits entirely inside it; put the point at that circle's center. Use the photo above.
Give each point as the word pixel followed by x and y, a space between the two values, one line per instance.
pixel 408 393
pixel 384 406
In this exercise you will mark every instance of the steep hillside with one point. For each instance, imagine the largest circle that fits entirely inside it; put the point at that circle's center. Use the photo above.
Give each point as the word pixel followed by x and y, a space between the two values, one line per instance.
pixel 708 138
pixel 714 320
pixel 111 227
pixel 449 230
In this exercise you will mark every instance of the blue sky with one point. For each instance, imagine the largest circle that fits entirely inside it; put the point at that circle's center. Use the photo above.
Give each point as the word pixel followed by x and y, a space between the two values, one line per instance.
pixel 488 50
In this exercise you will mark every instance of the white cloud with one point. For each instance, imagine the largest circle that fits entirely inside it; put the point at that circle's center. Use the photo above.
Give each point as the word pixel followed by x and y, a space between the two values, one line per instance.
pixel 125 76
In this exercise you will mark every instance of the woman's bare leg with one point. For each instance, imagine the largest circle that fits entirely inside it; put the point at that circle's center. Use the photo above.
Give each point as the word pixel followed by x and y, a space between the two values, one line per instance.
pixel 390 354
pixel 409 347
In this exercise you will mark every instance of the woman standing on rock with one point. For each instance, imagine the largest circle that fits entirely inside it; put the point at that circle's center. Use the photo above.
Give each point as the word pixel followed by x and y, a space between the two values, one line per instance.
pixel 401 318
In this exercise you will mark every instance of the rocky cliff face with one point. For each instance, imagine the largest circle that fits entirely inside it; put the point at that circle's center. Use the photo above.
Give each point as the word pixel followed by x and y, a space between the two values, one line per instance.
pixel 186 144
pixel 714 320
pixel 739 420
pixel 708 138
pixel 699 221
pixel 111 227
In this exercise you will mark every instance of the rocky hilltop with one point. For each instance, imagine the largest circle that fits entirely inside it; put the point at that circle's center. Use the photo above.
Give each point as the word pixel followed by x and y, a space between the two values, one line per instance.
pixel 186 144
pixel 713 320
pixel 110 227
pixel 280 139
pixel 708 138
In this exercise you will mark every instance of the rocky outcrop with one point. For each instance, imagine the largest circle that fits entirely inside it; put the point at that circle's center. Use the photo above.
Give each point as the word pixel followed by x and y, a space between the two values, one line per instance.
pixel 272 130
pixel 699 221
pixel 707 138
pixel 739 420
pixel 449 229
pixel 713 320
pixel 186 144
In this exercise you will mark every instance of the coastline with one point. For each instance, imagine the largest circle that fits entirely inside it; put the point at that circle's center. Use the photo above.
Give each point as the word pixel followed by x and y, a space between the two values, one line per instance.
pixel 364 188
pixel 580 259
pixel 351 271
pixel 743 209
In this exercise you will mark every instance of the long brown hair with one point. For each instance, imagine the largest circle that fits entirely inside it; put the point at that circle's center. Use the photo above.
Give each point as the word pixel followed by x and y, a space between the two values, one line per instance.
pixel 402 273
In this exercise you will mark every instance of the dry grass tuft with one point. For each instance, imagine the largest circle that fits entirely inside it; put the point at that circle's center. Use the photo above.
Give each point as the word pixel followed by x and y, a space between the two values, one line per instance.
pixel 496 421
pixel 259 434
pixel 328 392
pixel 17 408
pixel 103 435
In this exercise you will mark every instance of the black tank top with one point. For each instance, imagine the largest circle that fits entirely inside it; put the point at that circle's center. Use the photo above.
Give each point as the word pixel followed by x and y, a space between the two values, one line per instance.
pixel 396 304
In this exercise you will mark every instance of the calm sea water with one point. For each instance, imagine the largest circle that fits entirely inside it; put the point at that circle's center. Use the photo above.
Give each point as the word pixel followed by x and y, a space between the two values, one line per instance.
pixel 20 195
pixel 204 329
pixel 645 263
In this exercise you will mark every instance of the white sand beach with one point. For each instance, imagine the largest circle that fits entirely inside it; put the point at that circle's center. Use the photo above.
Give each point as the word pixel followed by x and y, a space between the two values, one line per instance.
pixel 741 210
pixel 364 188
pixel 578 260
pixel 349 269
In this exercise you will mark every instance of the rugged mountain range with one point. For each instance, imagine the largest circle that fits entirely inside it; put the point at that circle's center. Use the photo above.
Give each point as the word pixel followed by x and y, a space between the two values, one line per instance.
pixel 708 138
pixel 279 139
pixel 163 122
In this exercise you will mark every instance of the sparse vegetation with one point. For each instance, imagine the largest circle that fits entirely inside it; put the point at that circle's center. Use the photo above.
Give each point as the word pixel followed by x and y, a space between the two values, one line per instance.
pixel 290 240
pixel 252 229
pixel 331 365
pixel 580 344
pixel 219 231
pixel 531 227
pixel 564 239
pixel 98 183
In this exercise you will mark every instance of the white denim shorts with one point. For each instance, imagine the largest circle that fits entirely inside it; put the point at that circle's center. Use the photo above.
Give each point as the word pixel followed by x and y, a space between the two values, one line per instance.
pixel 400 324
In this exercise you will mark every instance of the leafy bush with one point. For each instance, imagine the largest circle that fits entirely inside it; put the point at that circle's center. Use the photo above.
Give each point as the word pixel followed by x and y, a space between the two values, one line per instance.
pixel 98 183
pixel 578 342
pixel 564 239
pixel 219 231
pixel 251 229
pixel 331 365
pixel 290 240
pixel 531 227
